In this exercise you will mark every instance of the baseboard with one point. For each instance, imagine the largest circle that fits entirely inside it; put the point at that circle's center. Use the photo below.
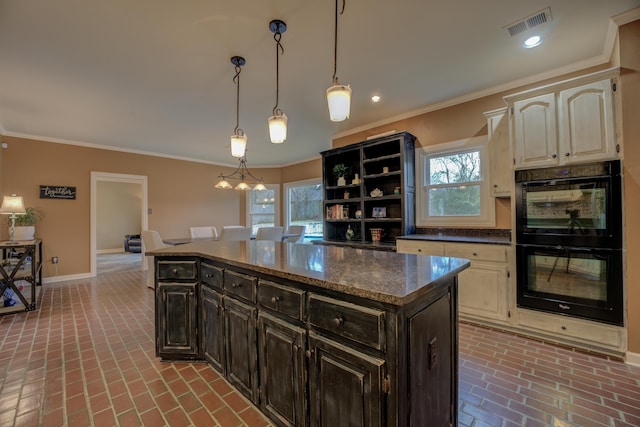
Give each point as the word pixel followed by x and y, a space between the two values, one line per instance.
pixel 110 251
pixel 632 358
pixel 54 279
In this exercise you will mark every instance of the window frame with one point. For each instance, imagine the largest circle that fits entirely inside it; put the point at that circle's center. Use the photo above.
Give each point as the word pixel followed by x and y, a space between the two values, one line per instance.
pixel 486 217
pixel 276 204
pixel 285 199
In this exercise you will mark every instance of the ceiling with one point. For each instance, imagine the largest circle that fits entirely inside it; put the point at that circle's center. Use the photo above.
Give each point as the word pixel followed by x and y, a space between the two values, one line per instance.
pixel 154 76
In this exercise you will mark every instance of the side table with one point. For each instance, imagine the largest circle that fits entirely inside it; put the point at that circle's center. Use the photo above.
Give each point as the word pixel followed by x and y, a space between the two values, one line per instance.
pixel 21 260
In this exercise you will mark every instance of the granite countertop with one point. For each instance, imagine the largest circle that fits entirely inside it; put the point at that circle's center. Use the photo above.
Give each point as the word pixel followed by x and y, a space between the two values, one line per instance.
pixel 441 237
pixel 388 277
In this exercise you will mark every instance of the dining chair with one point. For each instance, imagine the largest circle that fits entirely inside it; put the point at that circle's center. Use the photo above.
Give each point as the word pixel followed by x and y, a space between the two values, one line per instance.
pixel 151 241
pixel 297 233
pixel 269 233
pixel 235 233
pixel 203 233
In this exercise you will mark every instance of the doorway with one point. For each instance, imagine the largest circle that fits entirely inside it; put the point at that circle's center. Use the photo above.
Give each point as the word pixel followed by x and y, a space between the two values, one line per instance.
pixel 101 177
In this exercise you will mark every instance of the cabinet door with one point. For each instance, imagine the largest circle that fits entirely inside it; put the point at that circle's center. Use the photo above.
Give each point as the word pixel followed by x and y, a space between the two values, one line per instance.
pixel 212 328
pixel 345 386
pixel 282 373
pixel 535 131
pixel 176 319
pixel 241 346
pixel 432 357
pixel 586 123
pixel 483 291
pixel 500 159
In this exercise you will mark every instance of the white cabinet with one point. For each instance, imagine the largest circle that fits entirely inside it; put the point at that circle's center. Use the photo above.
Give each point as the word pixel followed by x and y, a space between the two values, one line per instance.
pixel 566 122
pixel 500 154
pixel 484 288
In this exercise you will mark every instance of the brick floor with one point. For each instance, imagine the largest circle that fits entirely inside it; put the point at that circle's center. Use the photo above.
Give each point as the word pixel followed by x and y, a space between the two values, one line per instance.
pixel 86 358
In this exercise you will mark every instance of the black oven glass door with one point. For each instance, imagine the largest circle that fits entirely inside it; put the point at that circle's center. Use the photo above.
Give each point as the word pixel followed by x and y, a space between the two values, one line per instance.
pixel 579 282
pixel 577 211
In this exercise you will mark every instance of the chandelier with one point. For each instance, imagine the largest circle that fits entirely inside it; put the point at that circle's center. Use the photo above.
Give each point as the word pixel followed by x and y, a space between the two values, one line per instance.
pixel 245 178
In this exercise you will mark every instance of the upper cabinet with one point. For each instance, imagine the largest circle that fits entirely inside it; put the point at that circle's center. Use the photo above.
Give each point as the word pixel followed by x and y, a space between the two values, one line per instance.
pixel 500 153
pixel 567 122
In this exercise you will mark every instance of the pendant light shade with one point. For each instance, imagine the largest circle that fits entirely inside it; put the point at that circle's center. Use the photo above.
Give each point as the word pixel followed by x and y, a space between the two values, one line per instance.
pixel 339 100
pixel 278 128
pixel 278 121
pixel 223 184
pixel 242 186
pixel 238 145
pixel 338 96
pixel 238 139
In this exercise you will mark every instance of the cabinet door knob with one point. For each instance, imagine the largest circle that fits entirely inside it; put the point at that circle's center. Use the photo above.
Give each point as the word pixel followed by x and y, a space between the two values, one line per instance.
pixel 419 250
pixel 309 353
pixel 567 154
pixel 475 254
pixel 275 299
pixel 295 348
pixel 338 321
pixel 553 156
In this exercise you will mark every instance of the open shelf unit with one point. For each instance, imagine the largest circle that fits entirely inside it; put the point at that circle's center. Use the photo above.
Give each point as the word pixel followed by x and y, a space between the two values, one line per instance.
pixel 386 164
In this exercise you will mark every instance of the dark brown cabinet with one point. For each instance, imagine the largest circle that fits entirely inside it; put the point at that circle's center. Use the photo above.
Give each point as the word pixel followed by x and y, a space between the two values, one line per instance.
pixel 282 370
pixel 345 386
pixel 177 320
pixel 212 327
pixel 381 197
pixel 240 345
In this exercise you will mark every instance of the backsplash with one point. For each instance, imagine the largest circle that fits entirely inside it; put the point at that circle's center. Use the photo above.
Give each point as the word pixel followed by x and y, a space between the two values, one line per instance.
pixel 465 232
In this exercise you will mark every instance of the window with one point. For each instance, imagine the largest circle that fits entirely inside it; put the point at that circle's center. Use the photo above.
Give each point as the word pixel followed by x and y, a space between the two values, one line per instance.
pixel 454 184
pixel 303 206
pixel 262 208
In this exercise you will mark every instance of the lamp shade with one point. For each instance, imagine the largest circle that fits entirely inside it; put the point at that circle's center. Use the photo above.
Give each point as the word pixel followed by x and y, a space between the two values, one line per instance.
pixel 259 187
pixel 339 100
pixel 12 205
pixel 238 145
pixel 243 186
pixel 278 128
pixel 223 184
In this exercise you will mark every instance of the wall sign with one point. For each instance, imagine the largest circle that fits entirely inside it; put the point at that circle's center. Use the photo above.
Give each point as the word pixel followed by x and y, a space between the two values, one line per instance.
pixel 57 192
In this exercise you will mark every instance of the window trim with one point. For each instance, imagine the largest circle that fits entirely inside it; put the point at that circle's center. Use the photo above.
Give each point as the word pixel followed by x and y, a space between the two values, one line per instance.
pixel 276 204
pixel 285 199
pixel 487 202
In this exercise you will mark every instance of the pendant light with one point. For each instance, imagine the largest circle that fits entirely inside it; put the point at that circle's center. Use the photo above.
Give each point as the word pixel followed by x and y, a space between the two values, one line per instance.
pixel 244 177
pixel 278 121
pixel 338 96
pixel 238 139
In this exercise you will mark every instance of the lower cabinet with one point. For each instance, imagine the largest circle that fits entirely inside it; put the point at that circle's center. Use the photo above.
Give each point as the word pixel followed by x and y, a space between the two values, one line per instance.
pixel 212 328
pixel 282 370
pixel 240 345
pixel 176 320
pixel 345 385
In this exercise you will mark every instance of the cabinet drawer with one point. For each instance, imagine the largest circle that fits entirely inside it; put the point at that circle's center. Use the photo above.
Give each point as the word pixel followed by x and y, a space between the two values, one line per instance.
pixel 420 247
pixel 496 253
pixel 360 324
pixel 240 285
pixel 173 270
pixel 281 299
pixel 211 275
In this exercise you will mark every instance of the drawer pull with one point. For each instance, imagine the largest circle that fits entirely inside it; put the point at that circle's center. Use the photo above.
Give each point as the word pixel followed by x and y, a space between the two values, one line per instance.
pixel 275 299
pixel 174 271
pixel 208 275
pixel 235 285
pixel 419 250
pixel 475 254
pixel 338 321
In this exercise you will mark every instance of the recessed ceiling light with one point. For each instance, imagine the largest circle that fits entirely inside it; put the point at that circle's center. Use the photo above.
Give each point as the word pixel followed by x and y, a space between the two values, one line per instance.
pixel 375 98
pixel 532 41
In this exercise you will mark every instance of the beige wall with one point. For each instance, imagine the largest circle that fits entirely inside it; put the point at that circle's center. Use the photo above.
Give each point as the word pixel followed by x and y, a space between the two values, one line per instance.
pixel 630 89
pixel 118 206
pixel 180 194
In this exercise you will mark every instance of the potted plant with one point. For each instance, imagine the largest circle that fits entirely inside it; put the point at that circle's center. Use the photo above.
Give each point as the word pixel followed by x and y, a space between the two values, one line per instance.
pixel 340 171
pixel 25 223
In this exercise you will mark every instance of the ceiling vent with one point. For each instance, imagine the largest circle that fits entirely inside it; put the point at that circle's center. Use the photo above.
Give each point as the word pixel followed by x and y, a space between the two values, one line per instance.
pixel 534 20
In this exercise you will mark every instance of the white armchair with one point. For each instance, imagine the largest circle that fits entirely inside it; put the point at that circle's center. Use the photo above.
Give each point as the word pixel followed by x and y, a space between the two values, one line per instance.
pixel 203 233
pixel 151 241
pixel 269 233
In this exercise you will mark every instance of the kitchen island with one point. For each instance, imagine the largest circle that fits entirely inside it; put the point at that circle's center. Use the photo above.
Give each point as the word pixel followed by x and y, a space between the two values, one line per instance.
pixel 317 335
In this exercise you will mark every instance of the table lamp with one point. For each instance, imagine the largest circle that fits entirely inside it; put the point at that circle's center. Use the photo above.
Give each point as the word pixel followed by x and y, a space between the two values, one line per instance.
pixel 12 205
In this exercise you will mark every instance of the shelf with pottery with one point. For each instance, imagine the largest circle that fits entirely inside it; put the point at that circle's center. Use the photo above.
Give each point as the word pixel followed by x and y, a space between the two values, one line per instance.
pixel 373 181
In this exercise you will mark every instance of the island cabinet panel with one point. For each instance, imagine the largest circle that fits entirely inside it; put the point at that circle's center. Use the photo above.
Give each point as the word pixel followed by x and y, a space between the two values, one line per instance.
pixel 177 320
pixel 212 327
pixel 240 344
pixel 345 385
pixel 282 370
pixel 431 359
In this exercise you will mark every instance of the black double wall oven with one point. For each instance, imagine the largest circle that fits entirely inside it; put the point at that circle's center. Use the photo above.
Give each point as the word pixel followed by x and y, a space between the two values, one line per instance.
pixel 569 241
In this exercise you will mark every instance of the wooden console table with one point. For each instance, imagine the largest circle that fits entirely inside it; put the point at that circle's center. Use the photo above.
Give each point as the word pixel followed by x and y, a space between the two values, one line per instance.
pixel 21 260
